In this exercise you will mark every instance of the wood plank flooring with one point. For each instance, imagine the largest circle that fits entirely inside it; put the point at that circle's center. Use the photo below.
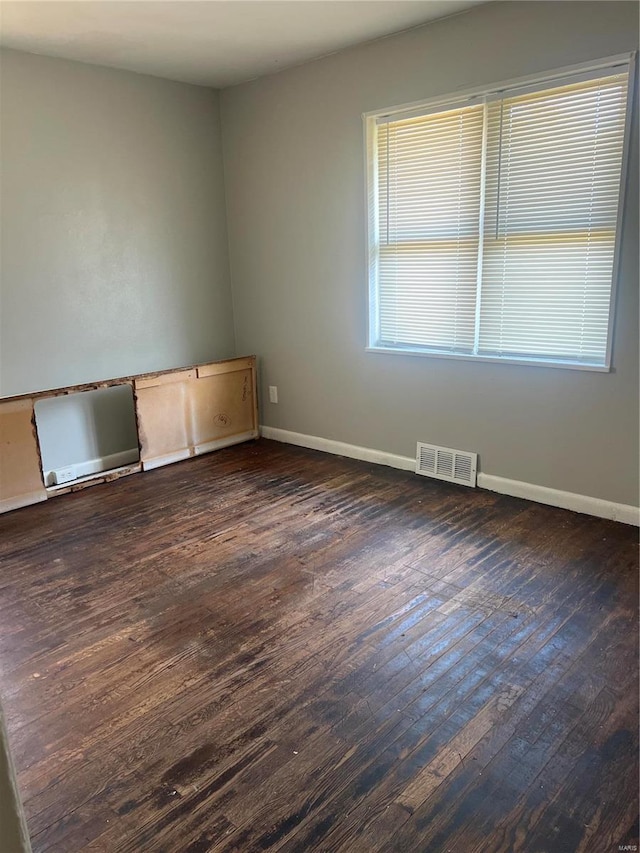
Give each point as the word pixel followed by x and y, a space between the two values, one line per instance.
pixel 273 649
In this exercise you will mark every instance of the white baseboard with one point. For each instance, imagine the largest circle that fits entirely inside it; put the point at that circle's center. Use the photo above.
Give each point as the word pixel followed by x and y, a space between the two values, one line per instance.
pixel 198 449
pixel 18 501
pixel 540 494
pixel 219 443
pixel 166 459
pixel 566 500
pixel 98 465
pixel 339 448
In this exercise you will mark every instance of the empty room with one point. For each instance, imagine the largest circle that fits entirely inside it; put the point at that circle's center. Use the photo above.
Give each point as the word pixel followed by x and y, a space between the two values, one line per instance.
pixel 319 426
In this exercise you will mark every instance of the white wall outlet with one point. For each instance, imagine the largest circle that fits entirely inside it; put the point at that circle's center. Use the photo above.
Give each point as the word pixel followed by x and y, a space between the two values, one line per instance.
pixel 63 475
pixel 273 393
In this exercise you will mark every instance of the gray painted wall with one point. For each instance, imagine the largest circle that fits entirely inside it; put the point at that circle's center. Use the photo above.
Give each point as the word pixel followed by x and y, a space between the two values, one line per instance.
pixel 88 426
pixel 114 247
pixel 294 173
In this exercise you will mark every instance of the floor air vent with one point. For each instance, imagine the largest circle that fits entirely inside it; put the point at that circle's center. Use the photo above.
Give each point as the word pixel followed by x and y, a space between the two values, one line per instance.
pixel 443 463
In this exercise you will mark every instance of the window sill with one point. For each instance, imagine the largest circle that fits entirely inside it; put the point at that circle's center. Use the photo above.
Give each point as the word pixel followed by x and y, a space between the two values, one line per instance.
pixel 530 362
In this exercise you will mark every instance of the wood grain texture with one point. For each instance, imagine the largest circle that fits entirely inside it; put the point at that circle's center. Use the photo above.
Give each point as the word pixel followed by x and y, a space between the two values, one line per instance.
pixel 272 649
pixel 20 466
pixel 191 412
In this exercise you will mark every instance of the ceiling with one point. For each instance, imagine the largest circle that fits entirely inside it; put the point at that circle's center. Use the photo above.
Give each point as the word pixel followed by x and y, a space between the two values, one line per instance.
pixel 210 42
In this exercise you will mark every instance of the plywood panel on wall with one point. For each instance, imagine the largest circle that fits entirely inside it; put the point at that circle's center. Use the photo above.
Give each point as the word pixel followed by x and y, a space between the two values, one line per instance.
pixel 191 412
pixel 163 422
pixel 221 408
pixel 179 413
pixel 20 473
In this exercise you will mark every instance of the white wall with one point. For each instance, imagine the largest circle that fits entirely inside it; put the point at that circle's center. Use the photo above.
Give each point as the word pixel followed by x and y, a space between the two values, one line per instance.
pixel 114 245
pixel 293 156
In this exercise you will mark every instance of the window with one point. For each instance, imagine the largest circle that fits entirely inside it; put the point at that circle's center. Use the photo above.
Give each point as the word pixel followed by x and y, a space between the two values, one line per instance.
pixel 493 221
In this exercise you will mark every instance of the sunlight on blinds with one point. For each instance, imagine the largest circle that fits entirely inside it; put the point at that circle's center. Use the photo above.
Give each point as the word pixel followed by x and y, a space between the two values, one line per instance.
pixel 428 207
pixel 496 221
pixel 553 178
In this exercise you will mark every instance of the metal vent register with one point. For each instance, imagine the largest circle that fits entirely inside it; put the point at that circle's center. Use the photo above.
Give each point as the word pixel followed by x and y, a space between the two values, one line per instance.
pixel 443 463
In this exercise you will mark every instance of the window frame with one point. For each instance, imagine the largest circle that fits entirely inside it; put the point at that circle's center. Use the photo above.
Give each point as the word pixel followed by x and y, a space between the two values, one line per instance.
pixel 519 85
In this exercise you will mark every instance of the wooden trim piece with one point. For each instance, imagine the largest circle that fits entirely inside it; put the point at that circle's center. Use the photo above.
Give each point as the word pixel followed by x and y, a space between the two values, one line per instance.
pixel 219 443
pixel 165 378
pixel 167 459
pixel 93 480
pixel 219 367
pixel 69 390
pixel 123 380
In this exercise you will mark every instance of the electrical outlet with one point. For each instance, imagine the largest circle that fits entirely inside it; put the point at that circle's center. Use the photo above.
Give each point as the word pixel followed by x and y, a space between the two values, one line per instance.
pixel 273 393
pixel 63 475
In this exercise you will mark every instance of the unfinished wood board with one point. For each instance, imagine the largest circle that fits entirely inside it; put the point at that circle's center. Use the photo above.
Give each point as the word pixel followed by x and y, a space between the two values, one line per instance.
pixel 94 479
pixel 193 412
pixel 164 428
pixel 230 366
pixel 221 406
pixel 20 473
pixel 165 378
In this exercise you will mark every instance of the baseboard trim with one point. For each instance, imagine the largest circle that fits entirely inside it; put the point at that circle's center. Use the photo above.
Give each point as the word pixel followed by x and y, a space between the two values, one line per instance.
pixel 515 488
pixel 166 459
pixel 98 465
pixel 339 448
pixel 220 443
pixel 17 502
pixel 565 500
pixel 106 463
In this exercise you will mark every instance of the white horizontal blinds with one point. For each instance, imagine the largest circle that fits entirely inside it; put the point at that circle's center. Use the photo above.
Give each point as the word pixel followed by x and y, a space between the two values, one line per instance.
pixel 429 178
pixel 552 186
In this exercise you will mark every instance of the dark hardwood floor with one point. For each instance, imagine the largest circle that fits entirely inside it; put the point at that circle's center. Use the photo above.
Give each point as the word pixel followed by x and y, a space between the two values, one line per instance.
pixel 269 648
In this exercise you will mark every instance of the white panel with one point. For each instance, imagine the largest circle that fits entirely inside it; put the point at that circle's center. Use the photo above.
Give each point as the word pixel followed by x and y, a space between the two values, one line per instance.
pixel 443 463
